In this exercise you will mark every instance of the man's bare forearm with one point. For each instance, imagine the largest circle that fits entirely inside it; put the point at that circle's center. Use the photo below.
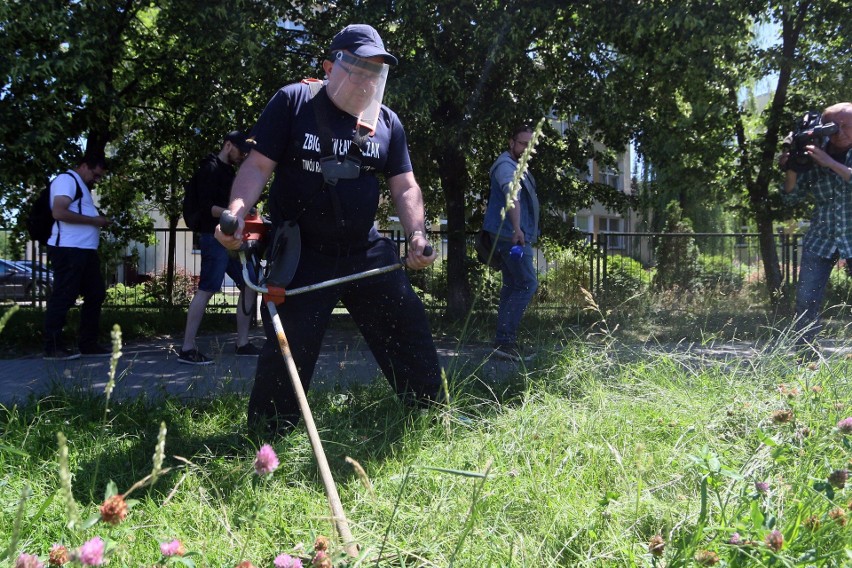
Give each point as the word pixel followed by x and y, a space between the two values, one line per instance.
pixel 408 202
pixel 249 183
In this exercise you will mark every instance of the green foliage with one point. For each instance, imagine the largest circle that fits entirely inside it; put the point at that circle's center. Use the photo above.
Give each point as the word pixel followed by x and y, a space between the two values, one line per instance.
pixel 140 80
pixel 566 284
pixel 566 277
pixel 748 473
pixel 432 285
pixel 184 286
pixel 838 292
pixel 721 273
pixel 677 257
pixel 626 285
pixel 154 291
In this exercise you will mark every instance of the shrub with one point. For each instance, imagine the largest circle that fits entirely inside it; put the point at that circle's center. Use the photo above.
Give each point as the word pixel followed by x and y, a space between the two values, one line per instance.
pixel 718 272
pixel 677 257
pixel 484 283
pixel 839 288
pixel 184 287
pixel 624 282
pixel 567 274
pixel 122 294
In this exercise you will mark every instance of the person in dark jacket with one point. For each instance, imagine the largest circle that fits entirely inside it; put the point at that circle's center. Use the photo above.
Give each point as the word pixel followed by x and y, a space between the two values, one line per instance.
pixel 213 180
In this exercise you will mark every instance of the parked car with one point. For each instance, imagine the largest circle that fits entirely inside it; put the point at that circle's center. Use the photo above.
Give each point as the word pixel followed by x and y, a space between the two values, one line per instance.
pixel 17 282
pixel 42 272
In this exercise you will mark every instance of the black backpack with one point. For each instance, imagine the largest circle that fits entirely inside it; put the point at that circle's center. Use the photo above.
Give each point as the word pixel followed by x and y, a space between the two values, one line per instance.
pixel 40 218
pixel 485 247
pixel 191 206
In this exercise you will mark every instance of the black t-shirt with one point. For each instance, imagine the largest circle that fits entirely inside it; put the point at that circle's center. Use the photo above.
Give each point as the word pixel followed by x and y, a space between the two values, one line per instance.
pixel 214 179
pixel 287 133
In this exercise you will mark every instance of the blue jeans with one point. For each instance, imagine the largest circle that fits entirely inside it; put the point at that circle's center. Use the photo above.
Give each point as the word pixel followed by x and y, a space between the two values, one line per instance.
pixel 814 272
pixel 519 285
pixel 216 261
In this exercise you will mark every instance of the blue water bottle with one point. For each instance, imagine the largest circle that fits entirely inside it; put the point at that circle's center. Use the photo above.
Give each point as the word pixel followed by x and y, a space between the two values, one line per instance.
pixel 516 252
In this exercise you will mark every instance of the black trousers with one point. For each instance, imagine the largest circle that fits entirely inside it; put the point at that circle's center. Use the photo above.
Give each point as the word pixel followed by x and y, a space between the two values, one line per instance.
pixel 388 313
pixel 76 272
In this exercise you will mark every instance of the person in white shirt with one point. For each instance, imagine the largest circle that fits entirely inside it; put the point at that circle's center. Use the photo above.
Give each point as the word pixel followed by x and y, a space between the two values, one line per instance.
pixel 73 253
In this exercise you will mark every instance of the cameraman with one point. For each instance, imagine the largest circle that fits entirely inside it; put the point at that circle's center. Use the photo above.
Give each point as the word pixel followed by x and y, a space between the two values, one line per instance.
pixel 829 238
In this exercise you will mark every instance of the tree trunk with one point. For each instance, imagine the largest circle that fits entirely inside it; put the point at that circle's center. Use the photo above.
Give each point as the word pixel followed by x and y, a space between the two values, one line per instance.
pixel 792 23
pixel 453 174
pixel 769 254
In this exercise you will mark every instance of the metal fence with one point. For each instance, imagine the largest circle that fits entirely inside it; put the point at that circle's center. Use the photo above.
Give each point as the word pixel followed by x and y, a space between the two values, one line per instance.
pixel 136 275
pixel 738 252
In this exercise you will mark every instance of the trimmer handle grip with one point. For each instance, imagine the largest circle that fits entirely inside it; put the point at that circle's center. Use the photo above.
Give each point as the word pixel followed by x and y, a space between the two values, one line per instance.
pixel 228 222
pixel 427 250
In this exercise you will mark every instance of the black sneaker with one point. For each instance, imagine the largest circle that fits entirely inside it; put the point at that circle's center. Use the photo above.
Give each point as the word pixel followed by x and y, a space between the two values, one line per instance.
pixel 193 357
pixel 510 352
pixel 247 350
pixel 60 354
pixel 95 350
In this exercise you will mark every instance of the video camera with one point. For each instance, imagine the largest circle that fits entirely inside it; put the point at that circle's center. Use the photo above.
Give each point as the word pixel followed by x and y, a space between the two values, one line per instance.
pixel 809 132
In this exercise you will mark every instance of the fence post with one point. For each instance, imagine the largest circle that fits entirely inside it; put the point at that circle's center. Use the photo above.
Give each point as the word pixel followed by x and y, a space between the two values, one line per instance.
pixel 795 254
pixel 590 238
pixel 599 257
pixel 605 252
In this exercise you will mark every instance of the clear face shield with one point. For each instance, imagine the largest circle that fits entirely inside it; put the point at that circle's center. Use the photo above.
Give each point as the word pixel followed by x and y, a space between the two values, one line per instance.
pixel 357 86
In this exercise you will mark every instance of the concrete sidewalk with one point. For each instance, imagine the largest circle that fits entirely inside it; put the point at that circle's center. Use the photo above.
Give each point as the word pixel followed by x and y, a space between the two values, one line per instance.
pixel 151 368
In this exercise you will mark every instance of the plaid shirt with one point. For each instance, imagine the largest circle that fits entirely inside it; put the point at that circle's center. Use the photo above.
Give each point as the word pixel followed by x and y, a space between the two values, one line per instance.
pixel 831 223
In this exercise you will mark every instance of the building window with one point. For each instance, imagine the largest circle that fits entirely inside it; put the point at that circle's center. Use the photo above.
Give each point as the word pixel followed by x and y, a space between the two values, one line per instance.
pixel 611 178
pixel 608 225
pixel 583 223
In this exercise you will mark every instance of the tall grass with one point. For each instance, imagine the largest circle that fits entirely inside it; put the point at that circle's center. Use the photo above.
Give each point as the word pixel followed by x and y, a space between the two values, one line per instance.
pixel 583 458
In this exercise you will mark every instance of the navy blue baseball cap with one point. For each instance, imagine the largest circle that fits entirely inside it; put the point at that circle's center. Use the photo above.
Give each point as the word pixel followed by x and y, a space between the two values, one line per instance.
pixel 362 41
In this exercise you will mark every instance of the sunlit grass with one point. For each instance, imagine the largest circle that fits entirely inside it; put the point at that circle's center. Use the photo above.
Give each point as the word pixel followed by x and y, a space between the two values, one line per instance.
pixel 578 459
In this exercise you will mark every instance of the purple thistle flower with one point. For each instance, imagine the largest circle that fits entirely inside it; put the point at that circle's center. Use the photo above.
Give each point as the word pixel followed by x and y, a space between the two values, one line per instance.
pixel 838 478
pixel 761 487
pixel 735 539
pixel 266 461
pixel 774 540
pixel 845 426
pixel 92 552
pixel 28 561
pixel 173 548
pixel 287 561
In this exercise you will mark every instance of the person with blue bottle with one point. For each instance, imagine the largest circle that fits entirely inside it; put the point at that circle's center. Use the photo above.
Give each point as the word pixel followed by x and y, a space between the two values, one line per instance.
pixel 514 235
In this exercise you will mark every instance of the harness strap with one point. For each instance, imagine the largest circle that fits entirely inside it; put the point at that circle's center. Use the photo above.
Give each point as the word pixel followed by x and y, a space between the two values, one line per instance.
pixel 78 197
pixel 349 167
